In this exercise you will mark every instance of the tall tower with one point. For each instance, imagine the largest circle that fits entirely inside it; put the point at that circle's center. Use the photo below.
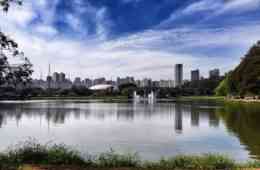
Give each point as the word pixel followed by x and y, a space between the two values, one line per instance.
pixel 195 75
pixel 49 77
pixel 49 71
pixel 178 75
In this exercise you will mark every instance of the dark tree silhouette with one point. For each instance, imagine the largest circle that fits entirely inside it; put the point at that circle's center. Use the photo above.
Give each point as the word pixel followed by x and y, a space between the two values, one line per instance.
pixel 11 74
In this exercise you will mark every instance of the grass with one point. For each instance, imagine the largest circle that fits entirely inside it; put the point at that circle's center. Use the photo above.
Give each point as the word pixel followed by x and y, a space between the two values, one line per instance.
pixel 33 153
pixel 201 98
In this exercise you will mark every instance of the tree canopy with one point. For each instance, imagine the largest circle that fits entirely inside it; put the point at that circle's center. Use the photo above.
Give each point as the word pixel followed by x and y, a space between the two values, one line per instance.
pixel 12 74
pixel 245 78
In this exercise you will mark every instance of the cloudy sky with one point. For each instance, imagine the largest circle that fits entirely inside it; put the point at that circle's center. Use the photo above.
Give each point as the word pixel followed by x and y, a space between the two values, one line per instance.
pixel 141 38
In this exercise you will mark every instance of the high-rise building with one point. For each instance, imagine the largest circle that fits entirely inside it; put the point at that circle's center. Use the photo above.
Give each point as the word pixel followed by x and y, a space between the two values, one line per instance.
pixel 214 74
pixel 178 75
pixel 55 77
pixel 195 75
pixel 77 81
pixel 62 77
pixel 88 82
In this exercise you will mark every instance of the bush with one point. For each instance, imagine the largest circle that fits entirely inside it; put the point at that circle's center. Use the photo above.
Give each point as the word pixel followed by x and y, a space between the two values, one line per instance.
pixel 31 152
pixel 112 159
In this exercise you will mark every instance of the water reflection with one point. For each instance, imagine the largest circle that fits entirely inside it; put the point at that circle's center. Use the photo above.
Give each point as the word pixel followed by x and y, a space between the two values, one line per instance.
pixel 178 118
pixel 195 116
pixel 243 121
pixel 150 129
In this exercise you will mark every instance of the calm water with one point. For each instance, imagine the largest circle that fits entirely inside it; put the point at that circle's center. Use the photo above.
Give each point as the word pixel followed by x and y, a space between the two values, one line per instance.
pixel 161 129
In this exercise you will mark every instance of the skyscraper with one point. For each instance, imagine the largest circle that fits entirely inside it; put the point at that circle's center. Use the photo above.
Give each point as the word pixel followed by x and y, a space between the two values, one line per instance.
pixel 49 78
pixel 55 77
pixel 214 74
pixel 195 75
pixel 178 75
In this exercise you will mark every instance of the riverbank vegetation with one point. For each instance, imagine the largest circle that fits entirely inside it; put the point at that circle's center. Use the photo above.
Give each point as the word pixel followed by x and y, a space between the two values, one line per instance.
pixel 33 153
pixel 244 80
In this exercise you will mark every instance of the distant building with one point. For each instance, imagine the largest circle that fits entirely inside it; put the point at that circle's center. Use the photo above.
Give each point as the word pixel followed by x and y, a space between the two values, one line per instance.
pixel 87 83
pixel 126 80
pixel 178 69
pixel 166 83
pixel 49 82
pixel 55 77
pixel 62 77
pixel 77 81
pixel 38 84
pixel 146 82
pixel 99 81
pixel 58 80
pixel 195 75
pixel 156 84
pixel 214 74
pixel 138 83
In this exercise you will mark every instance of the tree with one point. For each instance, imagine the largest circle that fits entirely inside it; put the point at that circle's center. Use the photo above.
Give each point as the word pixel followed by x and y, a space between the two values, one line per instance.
pixel 245 78
pixel 12 74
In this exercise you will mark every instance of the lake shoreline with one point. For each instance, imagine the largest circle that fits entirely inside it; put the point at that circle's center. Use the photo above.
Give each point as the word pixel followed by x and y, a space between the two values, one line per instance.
pixel 35 156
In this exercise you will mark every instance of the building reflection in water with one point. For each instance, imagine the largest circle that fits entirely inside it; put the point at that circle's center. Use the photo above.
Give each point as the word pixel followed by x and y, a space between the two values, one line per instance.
pixel 213 119
pixel 195 116
pixel 127 113
pixel 59 113
pixel 178 118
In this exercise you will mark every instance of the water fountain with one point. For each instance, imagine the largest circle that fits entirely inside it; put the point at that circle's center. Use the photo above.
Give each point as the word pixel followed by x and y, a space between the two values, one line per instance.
pixel 151 97
pixel 136 97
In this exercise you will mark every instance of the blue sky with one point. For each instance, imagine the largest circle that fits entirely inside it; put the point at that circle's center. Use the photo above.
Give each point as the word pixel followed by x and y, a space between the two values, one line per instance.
pixel 141 38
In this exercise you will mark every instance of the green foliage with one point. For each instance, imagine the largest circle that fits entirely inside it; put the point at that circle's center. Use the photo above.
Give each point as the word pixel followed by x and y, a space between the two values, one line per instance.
pixel 112 159
pixel 127 89
pixel 204 162
pixel 245 79
pixel 12 74
pixel 222 89
pixel 202 87
pixel 31 152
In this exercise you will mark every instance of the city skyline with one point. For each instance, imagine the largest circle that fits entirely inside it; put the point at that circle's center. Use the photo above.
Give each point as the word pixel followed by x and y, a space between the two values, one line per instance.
pixel 215 71
pixel 92 38
pixel 59 80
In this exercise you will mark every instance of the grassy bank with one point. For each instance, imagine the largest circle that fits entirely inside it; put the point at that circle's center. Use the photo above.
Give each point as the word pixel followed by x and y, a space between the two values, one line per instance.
pixel 61 156
pixel 201 98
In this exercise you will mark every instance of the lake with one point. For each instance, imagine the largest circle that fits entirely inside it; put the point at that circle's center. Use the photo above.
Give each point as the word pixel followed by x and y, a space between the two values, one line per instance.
pixel 153 130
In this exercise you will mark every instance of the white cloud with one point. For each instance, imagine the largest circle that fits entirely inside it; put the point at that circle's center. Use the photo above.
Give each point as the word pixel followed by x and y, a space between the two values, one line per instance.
pixel 148 54
pixel 203 5
pixel 212 8
pixel 45 30
pixel 74 22
pixel 151 53
pixel 240 6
